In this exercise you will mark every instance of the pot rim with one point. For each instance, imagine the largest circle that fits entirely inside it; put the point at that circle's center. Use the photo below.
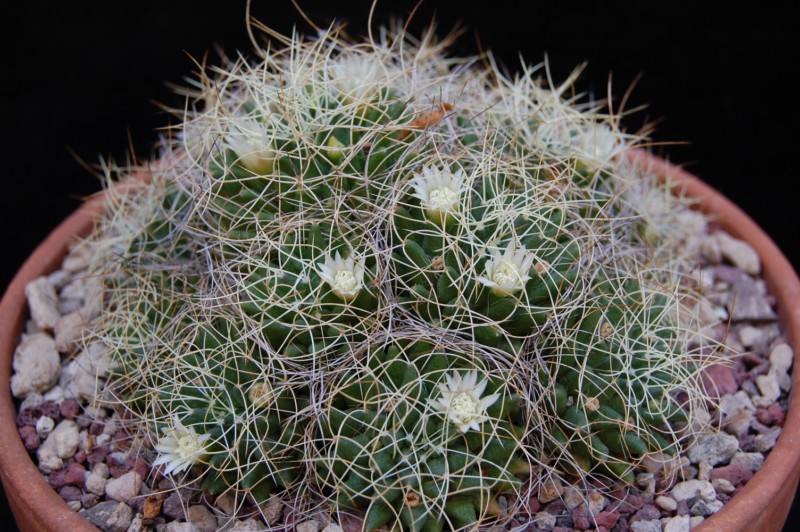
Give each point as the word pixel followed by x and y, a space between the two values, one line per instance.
pixel 763 503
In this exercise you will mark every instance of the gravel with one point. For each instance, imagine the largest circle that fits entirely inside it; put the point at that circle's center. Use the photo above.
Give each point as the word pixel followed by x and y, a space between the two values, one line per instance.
pixel 88 458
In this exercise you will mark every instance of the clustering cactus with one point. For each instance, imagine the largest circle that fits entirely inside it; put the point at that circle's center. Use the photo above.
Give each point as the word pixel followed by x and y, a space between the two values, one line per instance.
pixel 373 277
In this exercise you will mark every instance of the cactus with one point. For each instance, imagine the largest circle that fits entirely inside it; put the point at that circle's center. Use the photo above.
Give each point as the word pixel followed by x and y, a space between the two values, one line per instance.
pixel 373 277
pixel 419 434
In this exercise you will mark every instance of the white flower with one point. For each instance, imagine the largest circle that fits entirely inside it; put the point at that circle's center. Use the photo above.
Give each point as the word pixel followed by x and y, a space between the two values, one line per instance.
pixel 345 276
pixel 594 144
pixel 180 447
pixel 261 394
pixel 507 273
pixel 438 192
pixel 251 140
pixel 356 76
pixel 461 400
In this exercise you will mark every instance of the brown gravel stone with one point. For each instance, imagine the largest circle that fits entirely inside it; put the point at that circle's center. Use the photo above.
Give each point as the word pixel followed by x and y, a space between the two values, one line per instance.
pixel 683 508
pixel 70 408
pixel 627 503
pixel 89 499
pixel 152 505
pixel 606 519
pixel 778 413
pixel 172 507
pixel 556 507
pixel 70 493
pixel 736 474
pixel 57 479
pixel 75 474
pixel 98 454
pixel 647 513
pixel 581 518
pixel 720 380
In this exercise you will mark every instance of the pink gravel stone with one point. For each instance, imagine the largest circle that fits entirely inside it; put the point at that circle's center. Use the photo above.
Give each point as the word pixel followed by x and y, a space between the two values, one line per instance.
pixel 764 416
pixel 581 518
pixel 57 479
pixel 736 474
pixel 720 380
pixel 779 414
pixel 606 519
pixel 70 408
pixel 30 438
pixel 98 454
pixel 75 474
pixel 70 493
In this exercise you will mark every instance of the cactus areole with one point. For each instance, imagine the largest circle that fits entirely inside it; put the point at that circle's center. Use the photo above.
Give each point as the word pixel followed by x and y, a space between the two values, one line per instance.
pixel 373 278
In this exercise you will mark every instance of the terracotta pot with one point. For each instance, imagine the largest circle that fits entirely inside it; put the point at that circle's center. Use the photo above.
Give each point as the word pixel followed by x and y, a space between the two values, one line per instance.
pixel 762 504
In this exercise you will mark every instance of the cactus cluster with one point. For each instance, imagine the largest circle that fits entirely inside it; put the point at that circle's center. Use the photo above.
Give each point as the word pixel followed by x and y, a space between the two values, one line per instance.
pixel 371 276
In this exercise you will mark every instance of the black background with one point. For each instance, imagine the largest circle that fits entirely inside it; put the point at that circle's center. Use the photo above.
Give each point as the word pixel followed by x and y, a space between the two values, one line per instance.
pixel 80 81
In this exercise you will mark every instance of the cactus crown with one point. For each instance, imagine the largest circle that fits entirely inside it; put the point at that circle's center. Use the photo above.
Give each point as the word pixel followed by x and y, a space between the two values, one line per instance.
pixel 371 276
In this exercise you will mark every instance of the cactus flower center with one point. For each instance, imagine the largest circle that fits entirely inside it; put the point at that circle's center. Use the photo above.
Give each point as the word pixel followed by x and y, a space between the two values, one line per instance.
pixel 344 276
pixel 461 400
pixel 438 192
pixel 344 281
pixel 507 273
pixel 463 406
pixel 180 447
pixel 442 199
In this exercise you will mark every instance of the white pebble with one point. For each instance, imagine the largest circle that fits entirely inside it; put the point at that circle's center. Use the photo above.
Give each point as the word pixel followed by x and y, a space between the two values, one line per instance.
pixel 120 518
pixel 54 394
pixel 124 488
pixel 765 441
pixel 80 376
pixel 595 502
pixel 689 489
pixel 544 520
pixel 272 509
pixel 93 298
pixel 752 461
pixel 550 489
pixel 679 523
pixel 59 278
pixel 770 389
pixel 739 253
pixel 95 481
pixel 332 527
pixel 781 357
pixel 44 426
pixel 179 526
pixel 68 331
pixel 666 503
pixel 201 518
pixel 312 525
pixel 750 336
pixel 249 525
pixel 715 448
pixel 572 498
pixel 723 485
pixel 737 413
pixel 42 303
pixel 37 365
pixel 646 526
pixel 61 443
